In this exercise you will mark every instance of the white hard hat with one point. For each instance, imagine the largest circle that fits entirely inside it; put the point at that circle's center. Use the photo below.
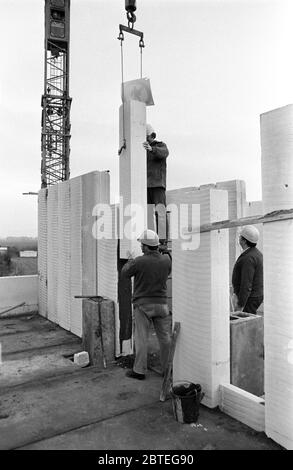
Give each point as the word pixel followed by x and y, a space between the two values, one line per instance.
pixel 149 130
pixel 250 233
pixel 149 237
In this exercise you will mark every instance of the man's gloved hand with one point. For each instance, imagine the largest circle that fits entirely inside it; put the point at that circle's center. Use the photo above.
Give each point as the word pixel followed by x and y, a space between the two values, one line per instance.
pixel 147 146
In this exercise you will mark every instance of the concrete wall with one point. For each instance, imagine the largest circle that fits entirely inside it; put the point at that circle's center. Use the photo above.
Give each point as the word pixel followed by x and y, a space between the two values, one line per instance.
pixel 243 406
pixel 277 184
pixel 69 251
pixel 200 277
pixel 255 208
pixel 236 208
pixel 42 252
pixel 17 289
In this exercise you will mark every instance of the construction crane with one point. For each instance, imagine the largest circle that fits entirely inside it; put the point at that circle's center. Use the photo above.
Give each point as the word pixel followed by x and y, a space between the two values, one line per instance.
pixel 56 102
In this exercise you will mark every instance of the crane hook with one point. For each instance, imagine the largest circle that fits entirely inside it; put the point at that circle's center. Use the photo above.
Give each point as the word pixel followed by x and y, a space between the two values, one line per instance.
pixel 131 17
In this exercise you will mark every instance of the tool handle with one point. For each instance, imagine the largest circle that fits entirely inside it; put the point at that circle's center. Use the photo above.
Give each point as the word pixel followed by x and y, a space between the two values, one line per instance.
pixel 167 375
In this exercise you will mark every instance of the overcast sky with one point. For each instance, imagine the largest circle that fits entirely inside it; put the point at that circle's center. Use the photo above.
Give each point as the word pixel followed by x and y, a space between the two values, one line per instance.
pixel 214 66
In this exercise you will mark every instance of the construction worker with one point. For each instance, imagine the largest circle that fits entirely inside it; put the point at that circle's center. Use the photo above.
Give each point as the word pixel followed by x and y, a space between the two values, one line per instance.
pixel 157 153
pixel 247 276
pixel 150 272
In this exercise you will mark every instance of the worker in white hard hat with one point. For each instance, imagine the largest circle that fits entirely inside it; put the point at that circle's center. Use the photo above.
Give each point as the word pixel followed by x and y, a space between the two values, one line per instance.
pixel 157 153
pixel 150 272
pixel 247 276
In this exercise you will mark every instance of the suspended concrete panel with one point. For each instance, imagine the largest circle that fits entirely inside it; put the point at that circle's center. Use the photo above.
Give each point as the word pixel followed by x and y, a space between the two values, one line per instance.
pixel 133 179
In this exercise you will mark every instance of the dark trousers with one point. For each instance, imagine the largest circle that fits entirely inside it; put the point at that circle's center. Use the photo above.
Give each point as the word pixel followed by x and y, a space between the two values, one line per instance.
pixel 156 200
pixel 252 304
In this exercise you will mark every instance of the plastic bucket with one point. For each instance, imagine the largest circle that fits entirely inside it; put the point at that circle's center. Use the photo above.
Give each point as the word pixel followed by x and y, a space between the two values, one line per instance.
pixel 186 398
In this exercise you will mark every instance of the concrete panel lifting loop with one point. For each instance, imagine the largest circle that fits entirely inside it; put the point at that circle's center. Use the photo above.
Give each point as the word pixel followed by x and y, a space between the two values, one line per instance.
pixel 121 36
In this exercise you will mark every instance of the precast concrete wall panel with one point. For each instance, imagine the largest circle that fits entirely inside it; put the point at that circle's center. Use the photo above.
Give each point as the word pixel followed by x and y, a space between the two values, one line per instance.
pixel 42 252
pixel 90 193
pixel 107 264
pixel 75 255
pixel 64 256
pixel 87 191
pixel 243 406
pixel 277 184
pixel 278 330
pixel 133 185
pixel 107 257
pixel 256 208
pixel 236 209
pixel 71 247
pixel 52 252
pixel 201 298
pixel 277 161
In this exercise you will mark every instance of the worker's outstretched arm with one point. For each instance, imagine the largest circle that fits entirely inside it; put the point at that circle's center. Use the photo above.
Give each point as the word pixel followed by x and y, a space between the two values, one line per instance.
pixel 129 269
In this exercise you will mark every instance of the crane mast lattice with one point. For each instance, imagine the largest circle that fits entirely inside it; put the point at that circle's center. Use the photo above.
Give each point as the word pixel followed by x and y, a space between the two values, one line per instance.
pixel 56 102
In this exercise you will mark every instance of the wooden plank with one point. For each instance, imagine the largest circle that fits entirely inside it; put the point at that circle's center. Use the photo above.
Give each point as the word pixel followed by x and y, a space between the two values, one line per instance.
pixel 167 376
pixel 257 219
pixel 12 308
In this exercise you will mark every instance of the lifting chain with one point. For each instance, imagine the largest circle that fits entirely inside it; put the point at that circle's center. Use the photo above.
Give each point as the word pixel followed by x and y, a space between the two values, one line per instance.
pixel 130 6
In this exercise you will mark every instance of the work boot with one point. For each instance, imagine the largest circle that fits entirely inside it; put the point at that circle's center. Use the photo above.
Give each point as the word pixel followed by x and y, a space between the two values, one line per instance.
pixel 134 375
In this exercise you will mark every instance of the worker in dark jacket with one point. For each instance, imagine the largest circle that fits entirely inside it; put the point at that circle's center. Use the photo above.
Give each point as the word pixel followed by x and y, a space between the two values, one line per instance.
pixel 247 276
pixel 157 153
pixel 150 271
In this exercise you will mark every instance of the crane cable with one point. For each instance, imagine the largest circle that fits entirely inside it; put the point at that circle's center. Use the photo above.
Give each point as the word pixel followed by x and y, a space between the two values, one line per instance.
pixel 121 37
pixel 141 46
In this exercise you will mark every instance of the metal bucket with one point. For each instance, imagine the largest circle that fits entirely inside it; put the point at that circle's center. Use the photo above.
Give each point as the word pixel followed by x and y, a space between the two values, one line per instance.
pixel 186 398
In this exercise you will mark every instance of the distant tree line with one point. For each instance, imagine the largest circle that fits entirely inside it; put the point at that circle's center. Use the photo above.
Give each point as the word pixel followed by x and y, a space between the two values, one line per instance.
pixel 20 243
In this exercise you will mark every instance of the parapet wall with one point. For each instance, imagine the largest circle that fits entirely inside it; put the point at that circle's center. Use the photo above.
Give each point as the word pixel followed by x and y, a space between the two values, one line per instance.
pixel 15 290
